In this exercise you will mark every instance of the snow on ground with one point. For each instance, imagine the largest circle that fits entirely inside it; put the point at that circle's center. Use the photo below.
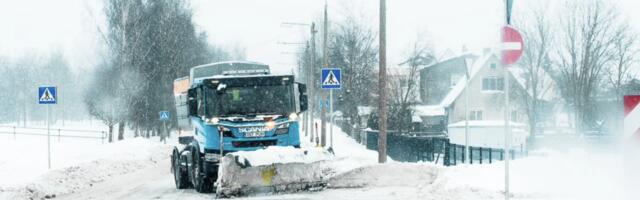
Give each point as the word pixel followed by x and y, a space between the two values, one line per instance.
pixel 349 153
pixel 279 154
pixel 139 169
pixel 77 163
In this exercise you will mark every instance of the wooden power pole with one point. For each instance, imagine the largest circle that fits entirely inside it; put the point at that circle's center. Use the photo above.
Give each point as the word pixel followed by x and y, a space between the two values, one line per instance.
pixel 382 89
pixel 312 83
pixel 323 114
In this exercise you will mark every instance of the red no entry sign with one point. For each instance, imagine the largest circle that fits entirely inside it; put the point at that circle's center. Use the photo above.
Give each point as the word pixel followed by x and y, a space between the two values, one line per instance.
pixel 631 115
pixel 512 45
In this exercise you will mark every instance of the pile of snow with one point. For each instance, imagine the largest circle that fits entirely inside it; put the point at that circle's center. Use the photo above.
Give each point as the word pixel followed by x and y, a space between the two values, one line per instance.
pixel 280 154
pixel 77 165
pixel 349 153
pixel 428 110
pixel 577 174
pixel 382 175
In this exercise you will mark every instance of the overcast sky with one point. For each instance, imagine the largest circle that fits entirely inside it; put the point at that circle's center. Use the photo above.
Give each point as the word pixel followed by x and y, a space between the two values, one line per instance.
pixel 71 25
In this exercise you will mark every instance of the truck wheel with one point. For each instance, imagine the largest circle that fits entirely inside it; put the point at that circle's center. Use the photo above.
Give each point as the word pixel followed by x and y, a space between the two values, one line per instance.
pixel 179 174
pixel 200 181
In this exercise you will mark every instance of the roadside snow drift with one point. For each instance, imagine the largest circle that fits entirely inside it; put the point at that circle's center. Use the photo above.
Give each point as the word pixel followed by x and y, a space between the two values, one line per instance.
pixel 107 161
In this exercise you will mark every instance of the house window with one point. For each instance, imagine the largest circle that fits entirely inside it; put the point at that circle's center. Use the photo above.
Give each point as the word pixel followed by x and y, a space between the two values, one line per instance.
pixel 475 115
pixel 514 116
pixel 493 65
pixel 492 83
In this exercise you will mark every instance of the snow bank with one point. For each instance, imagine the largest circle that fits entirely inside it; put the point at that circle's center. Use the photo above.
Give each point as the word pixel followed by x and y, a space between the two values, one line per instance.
pixel 279 154
pixel 77 166
pixel 393 174
pixel 578 174
pixel 349 153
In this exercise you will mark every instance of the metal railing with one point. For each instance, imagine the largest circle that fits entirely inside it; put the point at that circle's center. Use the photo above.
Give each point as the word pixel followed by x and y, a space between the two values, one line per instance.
pixel 411 147
pixel 480 155
pixel 435 147
pixel 55 132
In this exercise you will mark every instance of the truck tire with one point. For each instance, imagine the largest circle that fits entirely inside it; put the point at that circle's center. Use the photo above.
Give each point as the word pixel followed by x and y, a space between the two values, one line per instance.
pixel 201 183
pixel 180 175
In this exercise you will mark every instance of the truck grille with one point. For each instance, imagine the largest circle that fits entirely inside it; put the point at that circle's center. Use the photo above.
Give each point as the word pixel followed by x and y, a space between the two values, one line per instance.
pixel 260 143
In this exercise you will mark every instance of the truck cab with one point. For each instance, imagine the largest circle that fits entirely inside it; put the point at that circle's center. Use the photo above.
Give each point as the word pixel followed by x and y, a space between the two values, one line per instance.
pixel 236 106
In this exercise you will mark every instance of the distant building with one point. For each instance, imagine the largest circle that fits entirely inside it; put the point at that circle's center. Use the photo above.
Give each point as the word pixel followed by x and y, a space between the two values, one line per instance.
pixel 443 85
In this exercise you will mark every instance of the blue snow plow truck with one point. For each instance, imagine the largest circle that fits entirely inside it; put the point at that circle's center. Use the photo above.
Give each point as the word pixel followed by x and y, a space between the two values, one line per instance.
pixel 227 107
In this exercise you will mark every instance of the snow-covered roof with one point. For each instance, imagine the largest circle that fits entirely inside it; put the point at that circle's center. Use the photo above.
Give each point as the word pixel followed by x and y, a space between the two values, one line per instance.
pixel 416 119
pixel 459 87
pixel 428 110
pixel 364 110
pixel 484 123
pixel 448 58
pixel 548 91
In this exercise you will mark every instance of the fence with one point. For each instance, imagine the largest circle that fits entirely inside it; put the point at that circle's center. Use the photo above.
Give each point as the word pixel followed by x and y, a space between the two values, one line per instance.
pixel 416 147
pixel 55 132
pixel 411 147
pixel 479 155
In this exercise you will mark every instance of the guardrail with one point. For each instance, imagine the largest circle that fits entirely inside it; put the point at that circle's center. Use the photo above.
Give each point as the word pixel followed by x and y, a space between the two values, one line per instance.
pixel 56 132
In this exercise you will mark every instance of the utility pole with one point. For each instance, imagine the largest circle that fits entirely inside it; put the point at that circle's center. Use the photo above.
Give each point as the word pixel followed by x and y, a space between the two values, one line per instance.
pixel 305 71
pixel 382 83
pixel 310 79
pixel 312 83
pixel 323 113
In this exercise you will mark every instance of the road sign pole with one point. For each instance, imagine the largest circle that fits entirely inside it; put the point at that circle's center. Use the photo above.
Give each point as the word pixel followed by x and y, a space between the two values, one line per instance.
pixel 330 79
pixel 466 118
pixel 166 132
pixel 507 130
pixel 331 118
pixel 507 112
pixel 48 137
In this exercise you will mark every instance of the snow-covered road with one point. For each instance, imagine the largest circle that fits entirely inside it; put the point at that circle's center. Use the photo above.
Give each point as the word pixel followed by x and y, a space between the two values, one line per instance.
pixel 152 182
pixel 138 168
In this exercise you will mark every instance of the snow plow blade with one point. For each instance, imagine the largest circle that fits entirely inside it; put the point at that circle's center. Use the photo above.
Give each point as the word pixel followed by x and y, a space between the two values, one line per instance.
pixel 237 177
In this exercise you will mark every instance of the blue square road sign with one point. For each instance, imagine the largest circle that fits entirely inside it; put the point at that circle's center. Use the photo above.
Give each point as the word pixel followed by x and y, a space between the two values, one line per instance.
pixel 331 78
pixel 165 115
pixel 47 95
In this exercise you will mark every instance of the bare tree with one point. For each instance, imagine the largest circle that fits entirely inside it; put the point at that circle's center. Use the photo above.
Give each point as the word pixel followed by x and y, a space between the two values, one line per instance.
pixel 619 73
pixel 535 61
pixel 589 34
pixel 404 85
pixel 352 47
pixel 625 52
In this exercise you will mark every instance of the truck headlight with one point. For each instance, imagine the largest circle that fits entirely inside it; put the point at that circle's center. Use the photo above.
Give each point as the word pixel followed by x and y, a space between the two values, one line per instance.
pixel 214 120
pixel 270 125
pixel 293 116
pixel 282 129
pixel 211 157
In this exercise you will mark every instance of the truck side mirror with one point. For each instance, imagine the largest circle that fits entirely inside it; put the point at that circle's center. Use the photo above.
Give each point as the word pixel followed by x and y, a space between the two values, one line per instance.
pixel 303 102
pixel 192 104
pixel 302 88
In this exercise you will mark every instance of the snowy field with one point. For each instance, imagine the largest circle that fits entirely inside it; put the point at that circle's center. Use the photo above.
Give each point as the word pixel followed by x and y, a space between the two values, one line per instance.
pixel 139 169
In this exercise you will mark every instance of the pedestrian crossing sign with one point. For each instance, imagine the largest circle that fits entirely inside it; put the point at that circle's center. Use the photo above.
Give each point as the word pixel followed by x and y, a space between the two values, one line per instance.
pixel 331 78
pixel 165 115
pixel 47 95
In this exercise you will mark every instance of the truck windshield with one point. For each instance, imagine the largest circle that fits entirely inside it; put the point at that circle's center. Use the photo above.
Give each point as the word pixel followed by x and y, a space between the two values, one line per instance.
pixel 251 100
